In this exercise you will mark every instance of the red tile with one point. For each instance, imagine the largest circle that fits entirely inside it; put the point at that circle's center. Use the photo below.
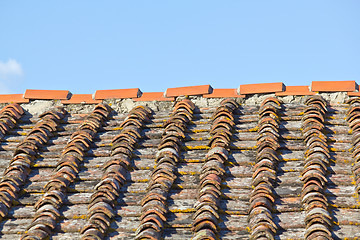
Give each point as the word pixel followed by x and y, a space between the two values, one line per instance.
pixel 295 90
pixel 117 93
pixel 223 93
pixel 192 90
pixel 354 94
pixel 81 98
pixel 46 94
pixel 334 86
pixel 13 98
pixel 153 96
pixel 262 88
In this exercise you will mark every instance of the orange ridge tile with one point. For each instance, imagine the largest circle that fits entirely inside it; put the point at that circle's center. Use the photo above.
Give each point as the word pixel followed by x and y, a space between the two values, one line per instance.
pixel 117 93
pixel 46 94
pixel 13 98
pixel 153 96
pixel 223 93
pixel 262 88
pixel 295 90
pixel 334 86
pixel 191 90
pixel 81 98
pixel 354 94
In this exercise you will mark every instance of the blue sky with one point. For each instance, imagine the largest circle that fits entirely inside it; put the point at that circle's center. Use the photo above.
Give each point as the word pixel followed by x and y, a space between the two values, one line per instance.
pixel 83 46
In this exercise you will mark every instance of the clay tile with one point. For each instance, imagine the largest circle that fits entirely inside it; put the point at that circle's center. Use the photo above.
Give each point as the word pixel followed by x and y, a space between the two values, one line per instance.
pixel 295 91
pixel 259 210
pixel 3 210
pixel 15 106
pixel 184 91
pixel 153 96
pixel 146 108
pixel 210 198
pixel 205 234
pixel 101 220
pixel 9 110
pixel 219 151
pixel 102 207
pixel 204 224
pixel 46 94
pixel 117 93
pixel 147 225
pixel 13 98
pixel 151 208
pixel 224 93
pixel 81 99
pixel 155 219
pixel 35 234
pixel 221 113
pixel 264 177
pixel 317 227
pixel 58 113
pixel 229 103
pixel 130 122
pixel 272 101
pixel 48 208
pixel 92 234
pixel 334 86
pixel 355 100
pixel 213 165
pixel 148 233
pixel 316 99
pixel 262 232
pixel 187 102
pixel 262 88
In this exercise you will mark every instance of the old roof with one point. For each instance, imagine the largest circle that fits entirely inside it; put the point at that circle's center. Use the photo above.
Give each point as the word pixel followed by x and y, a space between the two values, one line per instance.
pixel 264 161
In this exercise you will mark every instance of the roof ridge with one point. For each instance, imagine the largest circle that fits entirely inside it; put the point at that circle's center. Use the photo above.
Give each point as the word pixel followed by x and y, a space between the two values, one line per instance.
pixel 207 91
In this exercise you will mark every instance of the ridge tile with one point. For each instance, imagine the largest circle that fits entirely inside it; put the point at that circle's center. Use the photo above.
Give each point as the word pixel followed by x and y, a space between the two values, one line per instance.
pixel 81 98
pixel 295 90
pixel 153 96
pixel 13 98
pixel 262 88
pixel 334 86
pixel 117 93
pixel 191 90
pixel 46 94
pixel 223 93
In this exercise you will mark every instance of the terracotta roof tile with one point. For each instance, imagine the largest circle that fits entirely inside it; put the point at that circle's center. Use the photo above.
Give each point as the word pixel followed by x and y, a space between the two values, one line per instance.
pixel 81 98
pixel 295 90
pixel 223 93
pixel 233 168
pixel 153 96
pixel 117 93
pixel 192 90
pixel 13 98
pixel 46 94
pixel 262 88
pixel 333 86
pixel 354 94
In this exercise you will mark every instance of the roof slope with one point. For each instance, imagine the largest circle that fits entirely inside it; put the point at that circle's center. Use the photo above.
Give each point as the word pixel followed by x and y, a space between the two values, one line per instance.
pixel 239 168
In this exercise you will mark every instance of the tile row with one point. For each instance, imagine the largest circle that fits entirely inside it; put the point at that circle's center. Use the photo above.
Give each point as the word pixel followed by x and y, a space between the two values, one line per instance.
pixel 206 91
pixel 101 208
pixel 314 176
pixel 17 172
pixel 262 198
pixel 154 204
pixel 48 206
pixel 205 223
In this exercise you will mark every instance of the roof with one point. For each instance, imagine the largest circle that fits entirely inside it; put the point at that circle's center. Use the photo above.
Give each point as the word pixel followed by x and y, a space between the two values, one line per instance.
pixel 262 161
pixel 206 91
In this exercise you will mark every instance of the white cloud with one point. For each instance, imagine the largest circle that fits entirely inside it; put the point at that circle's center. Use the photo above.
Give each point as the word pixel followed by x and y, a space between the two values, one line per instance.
pixel 10 68
pixel 11 74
